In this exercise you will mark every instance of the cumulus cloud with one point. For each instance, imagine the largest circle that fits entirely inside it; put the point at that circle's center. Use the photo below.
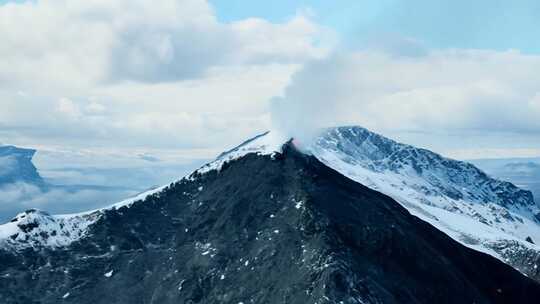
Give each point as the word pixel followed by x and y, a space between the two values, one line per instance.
pixel 128 74
pixel 138 73
pixel 443 91
pixel 79 43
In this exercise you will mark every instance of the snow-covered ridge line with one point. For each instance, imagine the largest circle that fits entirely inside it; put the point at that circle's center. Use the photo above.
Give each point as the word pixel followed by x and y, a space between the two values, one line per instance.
pixel 455 179
pixel 267 143
pixel 37 229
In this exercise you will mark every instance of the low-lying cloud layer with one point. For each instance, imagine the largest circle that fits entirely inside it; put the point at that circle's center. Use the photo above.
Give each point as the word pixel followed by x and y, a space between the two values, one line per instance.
pixel 74 181
pixel 18 197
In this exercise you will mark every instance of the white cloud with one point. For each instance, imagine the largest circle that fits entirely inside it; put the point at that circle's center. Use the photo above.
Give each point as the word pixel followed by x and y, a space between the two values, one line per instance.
pixel 170 75
pixel 95 108
pixel 224 107
pixel 77 43
pixel 17 197
pixel 67 107
pixel 441 92
pixel 140 73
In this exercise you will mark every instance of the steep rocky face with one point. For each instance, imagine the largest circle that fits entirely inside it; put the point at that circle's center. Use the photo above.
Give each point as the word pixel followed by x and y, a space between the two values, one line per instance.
pixel 481 212
pixel 278 228
pixel 16 166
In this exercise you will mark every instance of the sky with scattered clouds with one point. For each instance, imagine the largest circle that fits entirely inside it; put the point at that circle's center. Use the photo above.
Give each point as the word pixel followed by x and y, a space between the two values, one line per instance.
pixel 193 77
pixel 121 95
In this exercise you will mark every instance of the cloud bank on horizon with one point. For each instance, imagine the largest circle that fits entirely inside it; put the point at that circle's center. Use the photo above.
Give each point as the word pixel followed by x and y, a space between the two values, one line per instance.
pixel 189 74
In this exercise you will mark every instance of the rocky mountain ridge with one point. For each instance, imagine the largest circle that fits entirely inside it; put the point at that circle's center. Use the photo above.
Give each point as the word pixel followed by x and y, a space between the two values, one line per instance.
pixel 475 209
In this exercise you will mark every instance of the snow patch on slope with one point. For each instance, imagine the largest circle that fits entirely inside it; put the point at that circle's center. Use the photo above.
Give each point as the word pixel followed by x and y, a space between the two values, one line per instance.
pixel 34 228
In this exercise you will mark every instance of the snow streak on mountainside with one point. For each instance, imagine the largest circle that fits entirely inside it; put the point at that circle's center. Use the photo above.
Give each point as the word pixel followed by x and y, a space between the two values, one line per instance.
pixel 483 213
pixel 37 229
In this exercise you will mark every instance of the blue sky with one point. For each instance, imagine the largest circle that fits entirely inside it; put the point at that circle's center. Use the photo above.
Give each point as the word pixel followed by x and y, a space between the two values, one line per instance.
pixel 483 24
pixel 480 24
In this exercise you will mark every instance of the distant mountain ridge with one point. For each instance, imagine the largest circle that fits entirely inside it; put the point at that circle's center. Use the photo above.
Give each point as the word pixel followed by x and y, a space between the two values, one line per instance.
pixel 16 166
pixel 524 172
pixel 525 167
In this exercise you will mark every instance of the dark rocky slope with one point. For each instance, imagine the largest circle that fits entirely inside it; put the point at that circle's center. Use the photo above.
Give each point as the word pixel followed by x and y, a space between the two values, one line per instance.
pixel 281 229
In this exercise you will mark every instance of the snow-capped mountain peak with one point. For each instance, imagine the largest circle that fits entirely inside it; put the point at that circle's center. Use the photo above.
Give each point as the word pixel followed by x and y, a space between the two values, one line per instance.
pixel 267 143
pixel 283 228
pixel 483 213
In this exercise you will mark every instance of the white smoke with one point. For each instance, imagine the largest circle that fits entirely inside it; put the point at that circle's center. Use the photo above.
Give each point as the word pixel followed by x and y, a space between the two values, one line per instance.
pixel 441 92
